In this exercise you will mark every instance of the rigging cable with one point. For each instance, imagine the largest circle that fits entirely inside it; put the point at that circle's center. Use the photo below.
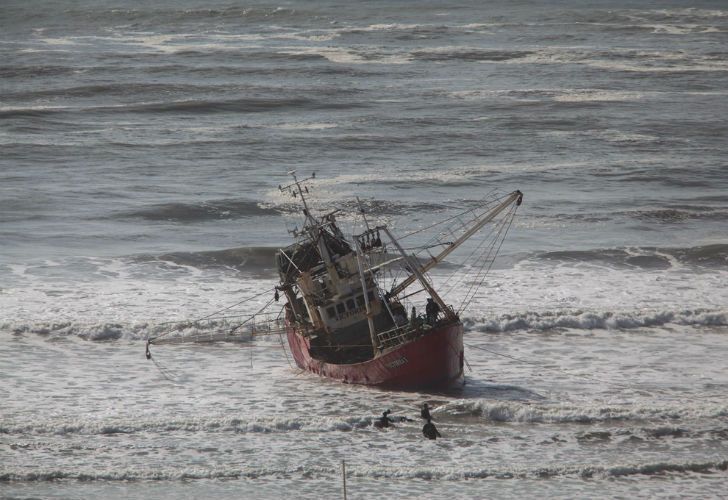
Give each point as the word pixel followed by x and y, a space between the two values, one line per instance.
pixel 486 206
pixel 466 259
pixel 253 316
pixel 280 337
pixel 482 275
pixel 152 339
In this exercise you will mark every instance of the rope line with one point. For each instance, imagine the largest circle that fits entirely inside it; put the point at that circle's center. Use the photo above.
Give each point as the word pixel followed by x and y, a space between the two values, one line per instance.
pixel 486 206
pixel 167 373
pixel 209 316
pixel 494 234
pixel 482 275
pixel 503 355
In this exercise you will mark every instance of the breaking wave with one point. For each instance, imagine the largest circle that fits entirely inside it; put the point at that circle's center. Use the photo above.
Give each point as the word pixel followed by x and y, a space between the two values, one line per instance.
pixel 204 211
pixel 235 105
pixel 513 411
pixel 215 330
pixel 487 410
pixel 680 214
pixel 253 259
pixel 201 106
pixel 388 472
pixel 468 54
pixel 591 320
pixel 263 425
pixel 114 89
pixel 710 256
pixel 233 209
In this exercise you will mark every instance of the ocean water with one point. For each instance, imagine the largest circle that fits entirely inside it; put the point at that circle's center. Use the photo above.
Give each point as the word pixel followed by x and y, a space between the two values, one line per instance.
pixel 142 145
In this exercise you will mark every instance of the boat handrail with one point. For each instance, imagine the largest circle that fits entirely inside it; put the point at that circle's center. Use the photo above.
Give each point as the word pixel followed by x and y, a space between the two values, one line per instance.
pixel 394 336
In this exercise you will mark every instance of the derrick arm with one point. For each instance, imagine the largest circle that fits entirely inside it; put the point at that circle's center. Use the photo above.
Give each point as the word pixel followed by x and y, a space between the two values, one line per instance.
pixel 449 314
pixel 515 196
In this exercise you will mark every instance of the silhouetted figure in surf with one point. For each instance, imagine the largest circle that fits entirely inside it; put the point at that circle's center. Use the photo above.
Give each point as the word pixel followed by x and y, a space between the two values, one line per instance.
pixel 384 421
pixel 430 431
pixel 425 413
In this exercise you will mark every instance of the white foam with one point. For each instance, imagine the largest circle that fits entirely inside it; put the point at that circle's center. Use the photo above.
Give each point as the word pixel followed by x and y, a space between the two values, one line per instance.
pixel 598 95
pixel 527 413
pixel 558 95
pixel 304 126
pixel 631 60
pixel 59 41
pixel 592 320
pixel 309 36
pixel 392 27
pixel 348 56
pixel 390 471
pixel 207 424
pixel 619 136
pixel 136 295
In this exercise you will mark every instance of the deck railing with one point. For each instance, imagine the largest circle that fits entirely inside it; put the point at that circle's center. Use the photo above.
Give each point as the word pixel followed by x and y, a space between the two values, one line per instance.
pixel 398 335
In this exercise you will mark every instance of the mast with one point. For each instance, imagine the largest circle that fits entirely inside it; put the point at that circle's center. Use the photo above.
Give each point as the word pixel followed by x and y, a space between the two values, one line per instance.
pixel 363 214
pixel 298 191
pixel 370 320
pixel 515 196
pixel 311 225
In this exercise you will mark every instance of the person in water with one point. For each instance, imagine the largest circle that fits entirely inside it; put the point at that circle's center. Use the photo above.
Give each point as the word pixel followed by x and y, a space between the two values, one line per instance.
pixel 425 413
pixel 384 421
pixel 430 431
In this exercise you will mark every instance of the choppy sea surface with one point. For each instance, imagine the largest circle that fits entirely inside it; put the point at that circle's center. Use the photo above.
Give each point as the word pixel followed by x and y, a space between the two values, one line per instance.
pixel 142 145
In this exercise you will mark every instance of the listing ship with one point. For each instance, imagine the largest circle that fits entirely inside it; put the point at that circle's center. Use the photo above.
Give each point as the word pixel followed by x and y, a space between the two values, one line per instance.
pixel 343 323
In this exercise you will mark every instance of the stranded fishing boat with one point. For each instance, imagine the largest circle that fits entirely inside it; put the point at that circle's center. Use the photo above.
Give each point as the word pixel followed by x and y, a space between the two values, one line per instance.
pixel 343 324
pixel 350 313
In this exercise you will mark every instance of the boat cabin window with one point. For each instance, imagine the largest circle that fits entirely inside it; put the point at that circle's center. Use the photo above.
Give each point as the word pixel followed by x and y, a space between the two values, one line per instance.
pixel 331 312
pixel 370 295
pixel 360 301
pixel 340 308
pixel 350 304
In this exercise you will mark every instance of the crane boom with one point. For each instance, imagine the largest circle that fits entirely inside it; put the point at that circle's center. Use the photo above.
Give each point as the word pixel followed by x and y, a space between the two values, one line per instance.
pixel 515 196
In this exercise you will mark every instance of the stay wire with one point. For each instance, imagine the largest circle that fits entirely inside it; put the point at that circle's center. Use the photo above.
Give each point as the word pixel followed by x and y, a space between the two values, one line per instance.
pixel 167 373
pixel 472 210
pixel 211 315
pixel 494 234
pixel 482 275
pixel 283 346
pixel 253 316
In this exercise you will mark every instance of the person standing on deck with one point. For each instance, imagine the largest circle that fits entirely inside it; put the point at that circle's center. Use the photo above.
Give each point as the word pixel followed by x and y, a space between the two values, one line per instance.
pixel 432 309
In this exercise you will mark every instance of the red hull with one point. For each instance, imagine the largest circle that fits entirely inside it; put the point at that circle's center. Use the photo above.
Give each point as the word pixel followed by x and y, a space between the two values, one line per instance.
pixel 432 361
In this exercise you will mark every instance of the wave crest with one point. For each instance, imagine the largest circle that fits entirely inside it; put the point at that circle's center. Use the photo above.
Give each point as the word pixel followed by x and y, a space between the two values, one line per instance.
pixel 513 411
pixel 390 471
pixel 711 256
pixel 591 320
pixel 262 425
pixel 203 211
pixel 215 330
